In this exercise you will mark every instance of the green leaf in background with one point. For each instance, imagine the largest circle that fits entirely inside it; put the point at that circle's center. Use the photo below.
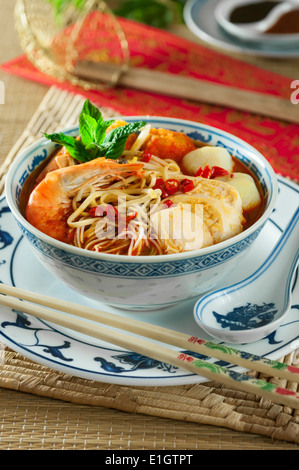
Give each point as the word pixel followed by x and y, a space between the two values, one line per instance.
pixel 60 5
pixel 158 13
pixel 152 13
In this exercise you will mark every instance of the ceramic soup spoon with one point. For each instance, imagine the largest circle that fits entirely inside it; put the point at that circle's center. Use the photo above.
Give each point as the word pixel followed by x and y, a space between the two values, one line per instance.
pixel 255 307
pixel 256 31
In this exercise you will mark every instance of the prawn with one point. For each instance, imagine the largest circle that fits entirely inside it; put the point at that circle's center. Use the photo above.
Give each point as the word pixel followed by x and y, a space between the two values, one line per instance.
pixel 50 203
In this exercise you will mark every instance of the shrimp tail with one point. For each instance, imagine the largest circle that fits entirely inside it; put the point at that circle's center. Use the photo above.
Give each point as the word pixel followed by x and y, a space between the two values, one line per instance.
pixel 50 203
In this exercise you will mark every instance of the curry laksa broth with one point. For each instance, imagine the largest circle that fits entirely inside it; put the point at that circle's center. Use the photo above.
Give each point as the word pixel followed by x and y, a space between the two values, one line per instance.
pixel 131 189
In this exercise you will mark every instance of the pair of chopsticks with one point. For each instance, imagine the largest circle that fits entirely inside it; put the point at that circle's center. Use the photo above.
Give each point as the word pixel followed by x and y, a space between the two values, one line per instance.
pixel 190 88
pixel 90 321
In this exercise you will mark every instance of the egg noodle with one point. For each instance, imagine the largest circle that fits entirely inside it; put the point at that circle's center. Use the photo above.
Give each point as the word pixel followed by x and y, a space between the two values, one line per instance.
pixel 123 210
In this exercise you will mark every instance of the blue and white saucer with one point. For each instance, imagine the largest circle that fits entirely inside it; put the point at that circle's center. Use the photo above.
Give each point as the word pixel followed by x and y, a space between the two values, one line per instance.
pixel 82 356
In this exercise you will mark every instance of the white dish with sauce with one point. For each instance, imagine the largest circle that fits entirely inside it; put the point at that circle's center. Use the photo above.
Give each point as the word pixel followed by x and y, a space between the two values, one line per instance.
pixel 199 16
pixel 265 29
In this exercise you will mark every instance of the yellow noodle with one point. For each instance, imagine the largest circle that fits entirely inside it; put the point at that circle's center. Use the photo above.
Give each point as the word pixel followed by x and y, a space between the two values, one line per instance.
pixel 134 194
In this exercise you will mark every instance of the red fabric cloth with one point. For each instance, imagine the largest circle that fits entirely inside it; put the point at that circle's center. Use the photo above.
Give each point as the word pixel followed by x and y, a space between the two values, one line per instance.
pixel 156 49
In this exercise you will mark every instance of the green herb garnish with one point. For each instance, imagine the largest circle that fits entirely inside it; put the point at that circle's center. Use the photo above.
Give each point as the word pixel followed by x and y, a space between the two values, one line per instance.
pixel 157 13
pixel 94 142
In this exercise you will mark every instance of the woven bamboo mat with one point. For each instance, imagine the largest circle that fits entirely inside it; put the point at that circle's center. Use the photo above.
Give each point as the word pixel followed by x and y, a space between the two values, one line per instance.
pixel 208 404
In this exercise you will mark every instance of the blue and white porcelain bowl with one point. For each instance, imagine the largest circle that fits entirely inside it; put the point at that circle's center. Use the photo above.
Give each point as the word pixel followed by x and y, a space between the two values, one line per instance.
pixel 143 283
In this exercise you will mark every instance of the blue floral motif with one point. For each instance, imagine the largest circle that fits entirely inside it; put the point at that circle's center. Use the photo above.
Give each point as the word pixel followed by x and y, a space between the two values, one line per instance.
pixel 55 351
pixel 4 210
pixel 247 316
pixel 199 136
pixel 138 362
pixel 271 338
pixel 23 322
pixel 37 159
pixel 109 366
pixel 135 361
pixel 5 239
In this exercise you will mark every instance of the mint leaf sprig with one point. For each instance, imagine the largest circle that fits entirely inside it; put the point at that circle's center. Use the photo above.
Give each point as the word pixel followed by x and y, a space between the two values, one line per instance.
pixel 94 140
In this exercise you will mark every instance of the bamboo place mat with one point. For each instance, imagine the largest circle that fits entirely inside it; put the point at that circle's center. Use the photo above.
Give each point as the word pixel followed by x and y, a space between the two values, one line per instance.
pixel 208 404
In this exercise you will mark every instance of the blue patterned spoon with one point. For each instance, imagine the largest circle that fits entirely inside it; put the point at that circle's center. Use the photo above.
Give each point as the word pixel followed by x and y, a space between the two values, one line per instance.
pixel 255 307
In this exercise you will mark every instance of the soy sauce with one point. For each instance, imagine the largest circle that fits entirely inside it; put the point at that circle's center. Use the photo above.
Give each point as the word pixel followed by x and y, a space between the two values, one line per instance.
pixel 252 12
pixel 288 23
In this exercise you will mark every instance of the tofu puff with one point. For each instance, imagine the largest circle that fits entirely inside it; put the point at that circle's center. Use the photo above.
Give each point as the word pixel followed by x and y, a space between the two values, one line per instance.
pixel 207 215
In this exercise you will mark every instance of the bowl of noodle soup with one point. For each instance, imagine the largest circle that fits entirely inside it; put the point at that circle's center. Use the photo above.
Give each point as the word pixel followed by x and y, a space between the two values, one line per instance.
pixel 138 272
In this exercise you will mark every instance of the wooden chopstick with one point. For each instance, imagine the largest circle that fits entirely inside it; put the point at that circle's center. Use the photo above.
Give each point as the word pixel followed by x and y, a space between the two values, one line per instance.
pixel 158 333
pixel 190 88
pixel 51 310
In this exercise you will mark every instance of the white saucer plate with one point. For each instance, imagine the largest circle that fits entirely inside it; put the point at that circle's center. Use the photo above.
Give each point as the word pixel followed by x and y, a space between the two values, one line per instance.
pixel 199 16
pixel 81 356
